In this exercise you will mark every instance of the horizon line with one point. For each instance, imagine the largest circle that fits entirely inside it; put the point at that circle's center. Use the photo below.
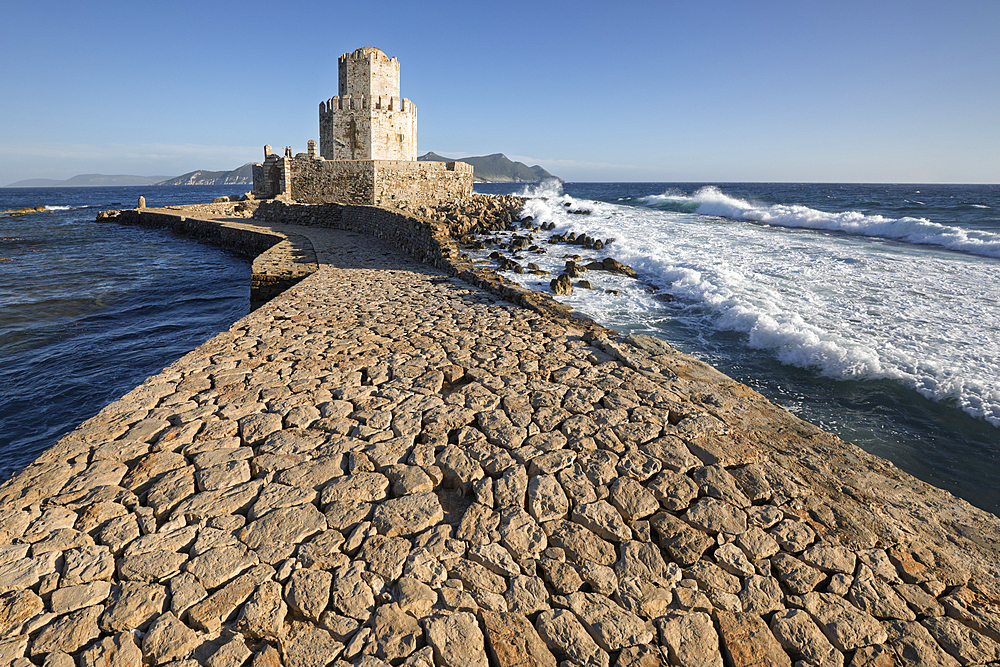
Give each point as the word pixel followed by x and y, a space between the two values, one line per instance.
pixel 12 186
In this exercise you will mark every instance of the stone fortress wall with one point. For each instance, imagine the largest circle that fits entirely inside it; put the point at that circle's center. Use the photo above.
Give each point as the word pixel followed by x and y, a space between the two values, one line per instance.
pixel 368 147
pixel 309 179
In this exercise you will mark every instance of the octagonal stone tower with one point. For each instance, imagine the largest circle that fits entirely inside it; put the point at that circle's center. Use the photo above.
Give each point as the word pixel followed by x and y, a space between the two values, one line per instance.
pixel 368 147
pixel 368 120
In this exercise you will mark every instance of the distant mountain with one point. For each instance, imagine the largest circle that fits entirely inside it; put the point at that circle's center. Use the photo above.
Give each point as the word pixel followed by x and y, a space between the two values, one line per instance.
pixel 87 180
pixel 241 176
pixel 36 183
pixel 496 168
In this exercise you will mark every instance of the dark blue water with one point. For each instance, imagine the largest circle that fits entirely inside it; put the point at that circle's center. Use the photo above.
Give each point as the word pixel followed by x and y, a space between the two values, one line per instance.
pixel 872 311
pixel 89 310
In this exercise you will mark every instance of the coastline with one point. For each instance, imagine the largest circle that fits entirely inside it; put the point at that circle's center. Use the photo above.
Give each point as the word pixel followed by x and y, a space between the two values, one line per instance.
pixel 830 502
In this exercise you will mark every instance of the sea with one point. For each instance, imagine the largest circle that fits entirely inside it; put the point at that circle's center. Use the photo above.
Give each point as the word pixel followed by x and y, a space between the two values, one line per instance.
pixel 872 311
pixel 89 310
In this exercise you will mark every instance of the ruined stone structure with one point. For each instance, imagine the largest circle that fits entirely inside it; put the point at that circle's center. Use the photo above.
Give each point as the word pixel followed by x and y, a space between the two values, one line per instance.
pixel 368 146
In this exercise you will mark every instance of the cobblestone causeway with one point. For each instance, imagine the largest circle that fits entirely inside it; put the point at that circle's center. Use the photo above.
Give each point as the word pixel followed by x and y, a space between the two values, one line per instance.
pixel 387 466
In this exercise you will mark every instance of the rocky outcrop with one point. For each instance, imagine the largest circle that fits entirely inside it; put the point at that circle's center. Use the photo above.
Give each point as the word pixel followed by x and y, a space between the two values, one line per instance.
pixel 16 212
pixel 612 265
pixel 476 214
pixel 561 285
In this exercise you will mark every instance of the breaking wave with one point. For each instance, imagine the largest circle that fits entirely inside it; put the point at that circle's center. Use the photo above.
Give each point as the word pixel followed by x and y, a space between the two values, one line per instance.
pixel 847 311
pixel 712 201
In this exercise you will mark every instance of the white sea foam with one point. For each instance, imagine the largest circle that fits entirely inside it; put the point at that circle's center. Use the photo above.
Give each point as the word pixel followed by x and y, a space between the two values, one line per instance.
pixel 549 188
pixel 840 304
pixel 712 201
pixel 59 208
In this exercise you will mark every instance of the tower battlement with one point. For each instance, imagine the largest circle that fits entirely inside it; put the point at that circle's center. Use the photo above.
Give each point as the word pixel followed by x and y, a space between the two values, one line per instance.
pixel 360 102
pixel 368 120
pixel 367 146
pixel 368 71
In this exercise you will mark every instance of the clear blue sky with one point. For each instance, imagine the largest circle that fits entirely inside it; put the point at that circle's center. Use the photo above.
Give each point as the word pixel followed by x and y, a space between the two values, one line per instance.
pixel 888 91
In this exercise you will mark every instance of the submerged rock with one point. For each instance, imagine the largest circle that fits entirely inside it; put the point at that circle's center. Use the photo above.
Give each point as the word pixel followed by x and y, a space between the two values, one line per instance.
pixel 26 209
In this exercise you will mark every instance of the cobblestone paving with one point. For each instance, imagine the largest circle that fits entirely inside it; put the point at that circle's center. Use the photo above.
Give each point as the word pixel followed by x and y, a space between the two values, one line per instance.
pixel 387 466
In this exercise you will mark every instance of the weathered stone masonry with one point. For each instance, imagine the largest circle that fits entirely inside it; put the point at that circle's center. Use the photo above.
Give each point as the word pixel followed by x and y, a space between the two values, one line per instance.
pixel 368 147
pixel 368 120
pixel 279 261
pixel 313 180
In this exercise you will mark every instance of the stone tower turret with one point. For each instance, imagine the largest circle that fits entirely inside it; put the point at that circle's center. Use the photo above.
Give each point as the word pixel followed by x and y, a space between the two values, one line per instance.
pixel 368 147
pixel 368 120
pixel 368 71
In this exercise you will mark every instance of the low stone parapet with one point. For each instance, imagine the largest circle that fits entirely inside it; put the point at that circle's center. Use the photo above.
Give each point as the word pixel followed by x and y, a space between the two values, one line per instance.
pixel 278 260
